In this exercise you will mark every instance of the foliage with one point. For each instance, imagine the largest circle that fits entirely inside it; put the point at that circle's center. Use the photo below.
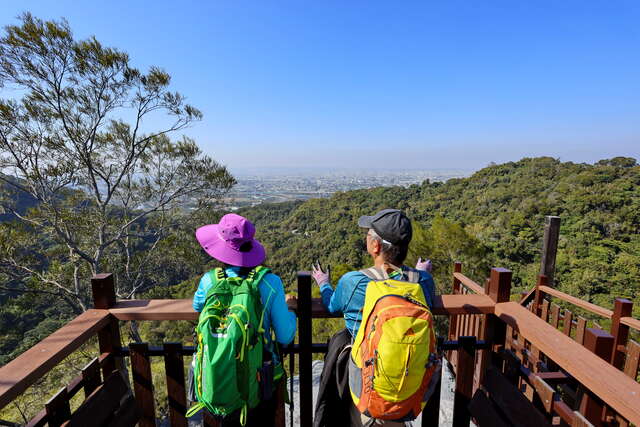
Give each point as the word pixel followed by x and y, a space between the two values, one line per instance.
pixel 493 218
pixel 106 191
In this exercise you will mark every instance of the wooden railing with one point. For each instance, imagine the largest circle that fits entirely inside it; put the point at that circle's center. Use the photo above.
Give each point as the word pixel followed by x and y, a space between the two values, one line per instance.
pixel 488 335
pixel 623 352
pixel 542 372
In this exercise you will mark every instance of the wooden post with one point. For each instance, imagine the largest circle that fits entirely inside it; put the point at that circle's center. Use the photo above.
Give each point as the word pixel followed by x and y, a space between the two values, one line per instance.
pixel 601 343
pixel 431 411
pixel 464 381
pixel 499 290
pixel 176 393
pixel 453 319
pixel 494 331
pixel 104 297
pixel 143 383
pixel 209 420
pixel 623 308
pixel 104 294
pixel 280 390
pixel 539 295
pixel 305 341
pixel 550 247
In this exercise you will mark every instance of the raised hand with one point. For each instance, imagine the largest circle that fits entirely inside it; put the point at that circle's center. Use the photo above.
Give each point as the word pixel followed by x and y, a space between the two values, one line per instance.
pixel 424 265
pixel 318 275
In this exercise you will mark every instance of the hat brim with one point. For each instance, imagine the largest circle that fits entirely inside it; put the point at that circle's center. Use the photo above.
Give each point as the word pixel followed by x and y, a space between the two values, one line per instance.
pixel 209 238
pixel 365 221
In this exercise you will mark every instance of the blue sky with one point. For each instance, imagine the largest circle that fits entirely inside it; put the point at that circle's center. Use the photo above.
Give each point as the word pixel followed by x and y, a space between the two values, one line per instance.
pixel 366 84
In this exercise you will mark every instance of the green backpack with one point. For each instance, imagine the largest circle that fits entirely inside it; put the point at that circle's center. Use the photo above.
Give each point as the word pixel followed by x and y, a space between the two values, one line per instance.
pixel 230 345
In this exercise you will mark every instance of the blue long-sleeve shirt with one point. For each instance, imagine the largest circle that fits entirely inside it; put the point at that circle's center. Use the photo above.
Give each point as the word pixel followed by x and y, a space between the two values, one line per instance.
pixel 348 297
pixel 276 312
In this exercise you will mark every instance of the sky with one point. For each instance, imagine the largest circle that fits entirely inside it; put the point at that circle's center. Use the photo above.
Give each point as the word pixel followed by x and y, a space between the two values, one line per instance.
pixel 385 84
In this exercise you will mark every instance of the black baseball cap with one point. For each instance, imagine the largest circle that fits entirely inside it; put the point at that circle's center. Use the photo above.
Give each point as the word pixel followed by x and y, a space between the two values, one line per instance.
pixel 390 224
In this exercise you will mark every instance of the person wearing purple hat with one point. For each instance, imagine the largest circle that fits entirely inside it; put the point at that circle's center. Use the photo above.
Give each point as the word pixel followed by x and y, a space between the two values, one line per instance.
pixel 232 242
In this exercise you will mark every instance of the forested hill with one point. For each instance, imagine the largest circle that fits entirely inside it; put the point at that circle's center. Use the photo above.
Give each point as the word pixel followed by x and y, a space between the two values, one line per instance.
pixel 493 218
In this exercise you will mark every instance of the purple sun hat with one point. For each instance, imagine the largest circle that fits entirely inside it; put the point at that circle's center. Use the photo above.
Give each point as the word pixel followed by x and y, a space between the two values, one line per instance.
pixel 231 241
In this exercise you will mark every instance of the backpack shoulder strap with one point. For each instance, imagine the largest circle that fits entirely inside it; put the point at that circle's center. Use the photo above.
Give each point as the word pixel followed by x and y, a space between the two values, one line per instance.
pixel 216 276
pixel 257 274
pixel 411 274
pixel 374 273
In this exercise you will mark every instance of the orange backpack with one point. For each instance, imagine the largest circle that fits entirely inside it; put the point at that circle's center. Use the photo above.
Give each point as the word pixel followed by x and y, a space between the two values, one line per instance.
pixel 393 366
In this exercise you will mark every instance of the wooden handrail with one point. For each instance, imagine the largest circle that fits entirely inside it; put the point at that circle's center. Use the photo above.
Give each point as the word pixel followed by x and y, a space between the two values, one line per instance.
pixel 469 284
pixel 462 304
pixel 596 309
pixel 528 296
pixel 181 309
pixel 631 322
pixel 17 375
pixel 155 309
pixel 617 390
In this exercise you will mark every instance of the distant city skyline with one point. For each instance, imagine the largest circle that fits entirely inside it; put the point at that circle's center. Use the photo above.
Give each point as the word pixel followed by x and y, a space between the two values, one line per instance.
pixel 388 85
pixel 284 185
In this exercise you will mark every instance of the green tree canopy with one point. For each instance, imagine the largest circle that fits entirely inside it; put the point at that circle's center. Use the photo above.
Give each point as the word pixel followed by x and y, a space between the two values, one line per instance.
pixel 83 140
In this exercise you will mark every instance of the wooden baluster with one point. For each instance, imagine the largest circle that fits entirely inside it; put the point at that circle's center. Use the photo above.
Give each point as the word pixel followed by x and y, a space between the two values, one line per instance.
pixel 567 323
pixel 539 295
pixel 281 389
pixel 622 308
pixel 305 341
pixel 555 315
pixel 544 313
pixel 581 327
pixel 632 363
pixel 176 393
pixel 58 409
pixel 104 297
pixel 464 381
pixel 599 342
pixel 142 382
pixel 91 377
pixel 473 329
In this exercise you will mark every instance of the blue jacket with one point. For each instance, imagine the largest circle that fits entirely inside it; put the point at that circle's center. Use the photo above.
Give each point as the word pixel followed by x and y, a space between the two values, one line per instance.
pixel 276 314
pixel 348 298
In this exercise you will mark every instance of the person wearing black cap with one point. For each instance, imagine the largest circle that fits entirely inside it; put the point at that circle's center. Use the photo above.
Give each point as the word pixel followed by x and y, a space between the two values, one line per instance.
pixel 388 236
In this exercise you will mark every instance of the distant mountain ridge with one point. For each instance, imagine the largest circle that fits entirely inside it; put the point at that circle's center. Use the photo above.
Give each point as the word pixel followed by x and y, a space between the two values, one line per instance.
pixel 19 200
